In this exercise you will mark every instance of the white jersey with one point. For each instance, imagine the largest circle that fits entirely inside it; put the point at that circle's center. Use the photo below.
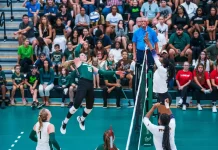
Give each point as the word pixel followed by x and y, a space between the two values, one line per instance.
pixel 158 131
pixel 42 136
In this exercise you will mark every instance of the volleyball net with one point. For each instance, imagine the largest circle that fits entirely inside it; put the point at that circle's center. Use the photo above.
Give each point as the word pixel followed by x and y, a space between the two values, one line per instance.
pixel 139 136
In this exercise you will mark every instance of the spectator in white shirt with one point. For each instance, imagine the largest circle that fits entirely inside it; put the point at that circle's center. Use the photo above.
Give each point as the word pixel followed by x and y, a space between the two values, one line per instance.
pixel 116 52
pixel 190 8
pixel 162 42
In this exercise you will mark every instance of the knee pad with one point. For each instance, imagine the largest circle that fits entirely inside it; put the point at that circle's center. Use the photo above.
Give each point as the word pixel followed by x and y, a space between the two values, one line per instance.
pixel 87 111
pixel 72 110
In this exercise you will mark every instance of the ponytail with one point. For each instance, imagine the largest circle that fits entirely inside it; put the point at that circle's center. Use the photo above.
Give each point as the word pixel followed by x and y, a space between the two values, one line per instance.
pixel 40 122
pixel 43 114
pixel 108 138
pixel 166 138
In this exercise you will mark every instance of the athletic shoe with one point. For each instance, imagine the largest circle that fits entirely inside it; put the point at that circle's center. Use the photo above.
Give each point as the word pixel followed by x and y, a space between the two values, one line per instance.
pixel 41 105
pixel 12 102
pixel 118 107
pixel 81 123
pixel 63 128
pixel 104 106
pixel 214 109
pixel 33 105
pixel 180 101
pixel 184 107
pixel 3 105
pixel 214 42
pixel 62 104
pixel 193 62
pixel 130 105
pixel 199 107
pixel 207 91
pixel 70 105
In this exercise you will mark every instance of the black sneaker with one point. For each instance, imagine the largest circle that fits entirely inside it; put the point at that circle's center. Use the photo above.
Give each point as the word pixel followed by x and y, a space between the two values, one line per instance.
pixel 3 104
pixel 118 106
pixel 33 105
pixel 81 123
pixel 41 105
pixel 70 105
pixel 104 106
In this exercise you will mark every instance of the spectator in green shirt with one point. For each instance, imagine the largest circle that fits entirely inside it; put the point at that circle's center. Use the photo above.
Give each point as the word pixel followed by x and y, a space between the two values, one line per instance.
pixel 212 51
pixel 18 81
pixel 46 75
pixel 25 56
pixel 179 44
pixel 2 87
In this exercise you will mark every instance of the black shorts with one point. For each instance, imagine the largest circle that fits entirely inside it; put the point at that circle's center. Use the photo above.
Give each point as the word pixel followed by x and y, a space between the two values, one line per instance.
pixel 84 90
pixel 162 96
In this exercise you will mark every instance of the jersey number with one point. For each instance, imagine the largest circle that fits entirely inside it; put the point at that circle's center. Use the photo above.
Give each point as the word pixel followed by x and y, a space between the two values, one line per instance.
pixel 90 69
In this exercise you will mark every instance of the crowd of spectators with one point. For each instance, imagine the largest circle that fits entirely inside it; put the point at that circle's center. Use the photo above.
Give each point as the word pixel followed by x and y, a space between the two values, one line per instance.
pixel 49 34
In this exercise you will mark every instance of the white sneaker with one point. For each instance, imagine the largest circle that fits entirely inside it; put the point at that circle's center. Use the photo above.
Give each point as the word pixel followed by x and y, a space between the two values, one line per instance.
pixel 214 109
pixel 180 101
pixel 193 62
pixel 199 107
pixel 62 104
pixel 81 123
pixel 184 107
pixel 63 128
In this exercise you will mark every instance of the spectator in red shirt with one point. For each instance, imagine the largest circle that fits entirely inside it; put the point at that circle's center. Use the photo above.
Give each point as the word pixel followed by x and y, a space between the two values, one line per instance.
pixel 202 79
pixel 214 82
pixel 183 80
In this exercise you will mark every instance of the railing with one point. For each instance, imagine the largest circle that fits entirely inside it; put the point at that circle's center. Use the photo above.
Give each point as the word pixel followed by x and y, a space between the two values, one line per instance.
pixel 9 4
pixel 2 23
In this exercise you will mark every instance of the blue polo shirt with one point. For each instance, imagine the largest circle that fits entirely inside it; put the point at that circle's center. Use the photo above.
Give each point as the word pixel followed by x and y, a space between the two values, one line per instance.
pixel 138 37
pixel 33 7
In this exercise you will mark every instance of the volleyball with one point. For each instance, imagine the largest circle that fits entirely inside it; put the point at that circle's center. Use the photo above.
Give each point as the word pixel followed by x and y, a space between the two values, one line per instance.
pixel 94 16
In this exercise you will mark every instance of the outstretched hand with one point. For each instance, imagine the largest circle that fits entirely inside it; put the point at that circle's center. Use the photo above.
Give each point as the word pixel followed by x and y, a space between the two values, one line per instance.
pixel 81 39
pixel 120 73
pixel 146 39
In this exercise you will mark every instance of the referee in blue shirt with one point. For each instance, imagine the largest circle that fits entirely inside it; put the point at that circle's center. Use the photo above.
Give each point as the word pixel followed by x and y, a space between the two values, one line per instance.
pixel 139 46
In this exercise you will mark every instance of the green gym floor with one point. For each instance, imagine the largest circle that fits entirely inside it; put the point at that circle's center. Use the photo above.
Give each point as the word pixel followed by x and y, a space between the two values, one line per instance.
pixel 194 130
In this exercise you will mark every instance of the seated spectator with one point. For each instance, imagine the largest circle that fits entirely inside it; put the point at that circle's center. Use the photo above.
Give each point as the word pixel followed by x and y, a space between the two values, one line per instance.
pixel 40 61
pixel 68 53
pixel 3 87
pixel 32 80
pixel 112 20
pixel 82 21
pixel 190 8
pixel 74 38
pixel 124 65
pixel 162 28
pixel 41 47
pixel 33 7
pixel 106 41
pixel 197 22
pixel 107 141
pixel 18 81
pixel 89 6
pixel 179 44
pixel 112 83
pixel 162 42
pixel 183 80
pixel 59 35
pixel 66 19
pixel 202 59
pixel 202 79
pixel 96 78
pixel 111 65
pixel 46 75
pixel 214 82
pixel 25 56
pixel 121 33
pixel 211 24
pixel 109 4
pixel 76 6
pixel 100 52
pixel 138 24
pixel 45 30
pixel 116 52
pixel 197 45
pixel 25 30
pixel 50 10
pixel 99 24
pixel 63 84
pixel 212 51
pixel 180 18
pixel 57 58
pixel 130 50
pixel 88 37
pixel 134 13
pixel 73 86
pixel 166 12
pixel 150 10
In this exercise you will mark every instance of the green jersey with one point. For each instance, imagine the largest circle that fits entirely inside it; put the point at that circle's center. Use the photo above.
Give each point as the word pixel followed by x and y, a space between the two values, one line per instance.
pixel 17 78
pixel 2 77
pixel 74 78
pixel 57 56
pixel 63 80
pixel 85 71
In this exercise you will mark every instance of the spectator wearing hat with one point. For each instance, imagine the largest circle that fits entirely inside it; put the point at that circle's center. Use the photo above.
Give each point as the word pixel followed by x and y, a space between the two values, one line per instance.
pixel 179 44
pixel 39 62
pixel 25 56
pixel 3 89
pixel 32 80
pixel 106 41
